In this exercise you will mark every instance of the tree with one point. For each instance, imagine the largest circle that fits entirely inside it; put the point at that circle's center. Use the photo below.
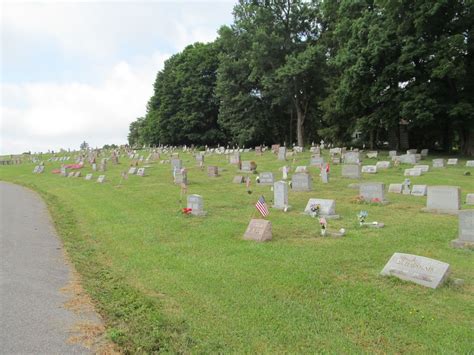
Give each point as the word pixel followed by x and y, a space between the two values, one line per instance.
pixel 84 145
pixel 270 63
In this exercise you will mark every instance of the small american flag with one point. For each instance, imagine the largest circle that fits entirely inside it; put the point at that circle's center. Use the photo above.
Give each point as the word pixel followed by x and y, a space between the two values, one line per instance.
pixel 262 206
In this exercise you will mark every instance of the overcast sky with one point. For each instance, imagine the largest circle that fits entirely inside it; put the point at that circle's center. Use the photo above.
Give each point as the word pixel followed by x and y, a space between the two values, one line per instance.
pixel 75 71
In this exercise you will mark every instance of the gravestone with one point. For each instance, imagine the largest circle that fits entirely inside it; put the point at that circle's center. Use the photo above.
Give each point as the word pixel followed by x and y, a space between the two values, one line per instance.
pixel 424 152
pixel 282 153
pixel 88 177
pixel 470 199
pixel 77 174
pixel 248 166
pixel 141 172
pixel 351 157
pixel 280 195
pixel 266 178
pixel 212 171
pixel 181 177
pixel 336 160
pixel 132 170
pixel 259 230
pixel 176 164
pixel 316 161
pixel 239 179
pixel 438 163
pixel 70 174
pixel 372 155
pixel 418 269
pixel 407 159
pixel 452 161
pixel 324 176
pixel 395 188
pixel 392 153
pixel 351 171
pixel 466 230
pixel 258 150
pixel 94 167
pixel 64 171
pixel 443 199
pixel 371 191
pixel 383 164
pixel 103 165
pixel 301 182
pixel 101 179
pixel 419 190
pixel 200 158
pixel 275 148
pixel 412 151
pixel 327 208
pixel 470 164
pixel 196 203
pixel 412 172
pixel 369 169
pixel 301 169
pixel 423 168
pixel 235 159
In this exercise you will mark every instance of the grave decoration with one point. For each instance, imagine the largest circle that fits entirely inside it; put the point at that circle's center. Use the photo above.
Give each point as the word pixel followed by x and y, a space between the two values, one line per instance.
pixel 362 216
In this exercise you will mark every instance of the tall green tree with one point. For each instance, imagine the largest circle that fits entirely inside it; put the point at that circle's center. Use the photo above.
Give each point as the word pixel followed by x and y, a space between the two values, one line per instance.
pixel 271 61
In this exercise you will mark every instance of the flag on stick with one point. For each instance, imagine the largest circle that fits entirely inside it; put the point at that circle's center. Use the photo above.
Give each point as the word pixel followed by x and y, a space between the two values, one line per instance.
pixel 262 206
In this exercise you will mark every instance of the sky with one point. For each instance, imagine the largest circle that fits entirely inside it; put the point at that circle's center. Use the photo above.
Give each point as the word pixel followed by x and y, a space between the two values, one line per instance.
pixel 75 71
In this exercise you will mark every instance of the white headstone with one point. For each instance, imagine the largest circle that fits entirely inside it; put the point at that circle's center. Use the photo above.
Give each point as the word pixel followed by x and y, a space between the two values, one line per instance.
pixel 419 190
pixel 443 199
pixel 280 195
pixel 418 269
pixel 369 169
pixel 466 230
pixel 327 208
pixel 395 188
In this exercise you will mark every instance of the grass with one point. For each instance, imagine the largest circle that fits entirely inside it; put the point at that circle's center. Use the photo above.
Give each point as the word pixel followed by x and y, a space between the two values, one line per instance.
pixel 174 283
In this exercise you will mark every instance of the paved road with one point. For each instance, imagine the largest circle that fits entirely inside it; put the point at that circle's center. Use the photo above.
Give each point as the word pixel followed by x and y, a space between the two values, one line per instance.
pixel 32 272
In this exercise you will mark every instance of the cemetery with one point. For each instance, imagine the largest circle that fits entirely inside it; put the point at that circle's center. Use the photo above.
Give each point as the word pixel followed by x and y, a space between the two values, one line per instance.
pixel 188 244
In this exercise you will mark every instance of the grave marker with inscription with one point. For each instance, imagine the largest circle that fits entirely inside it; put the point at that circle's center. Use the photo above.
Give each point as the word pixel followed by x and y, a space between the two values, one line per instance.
pixel 452 161
pixel 418 269
pixel 88 177
pixel 369 169
pixel 438 163
pixel 259 230
pixel 266 178
pixel 101 179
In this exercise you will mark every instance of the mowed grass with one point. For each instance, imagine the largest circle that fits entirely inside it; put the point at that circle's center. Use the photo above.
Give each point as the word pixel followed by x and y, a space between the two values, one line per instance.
pixel 169 282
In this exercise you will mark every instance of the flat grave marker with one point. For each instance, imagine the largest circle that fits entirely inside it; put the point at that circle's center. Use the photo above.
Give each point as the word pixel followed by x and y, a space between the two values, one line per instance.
pixel 418 269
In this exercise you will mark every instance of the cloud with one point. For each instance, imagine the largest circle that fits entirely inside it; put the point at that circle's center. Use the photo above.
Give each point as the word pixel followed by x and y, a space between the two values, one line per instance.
pixel 46 116
pixel 74 71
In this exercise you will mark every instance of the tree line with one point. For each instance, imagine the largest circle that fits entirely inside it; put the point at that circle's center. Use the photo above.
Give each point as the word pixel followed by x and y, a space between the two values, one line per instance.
pixel 346 71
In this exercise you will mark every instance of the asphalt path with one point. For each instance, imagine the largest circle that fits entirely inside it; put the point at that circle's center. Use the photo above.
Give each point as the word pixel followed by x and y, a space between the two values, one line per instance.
pixel 33 319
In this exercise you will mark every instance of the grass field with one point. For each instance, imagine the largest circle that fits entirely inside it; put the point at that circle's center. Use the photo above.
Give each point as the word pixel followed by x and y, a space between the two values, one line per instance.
pixel 170 282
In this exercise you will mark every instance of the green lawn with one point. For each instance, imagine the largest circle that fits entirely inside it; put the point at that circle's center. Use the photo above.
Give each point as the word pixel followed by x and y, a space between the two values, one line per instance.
pixel 169 282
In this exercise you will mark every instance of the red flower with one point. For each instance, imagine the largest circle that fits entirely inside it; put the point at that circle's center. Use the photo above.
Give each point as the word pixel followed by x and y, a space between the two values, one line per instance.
pixel 187 210
pixel 376 200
